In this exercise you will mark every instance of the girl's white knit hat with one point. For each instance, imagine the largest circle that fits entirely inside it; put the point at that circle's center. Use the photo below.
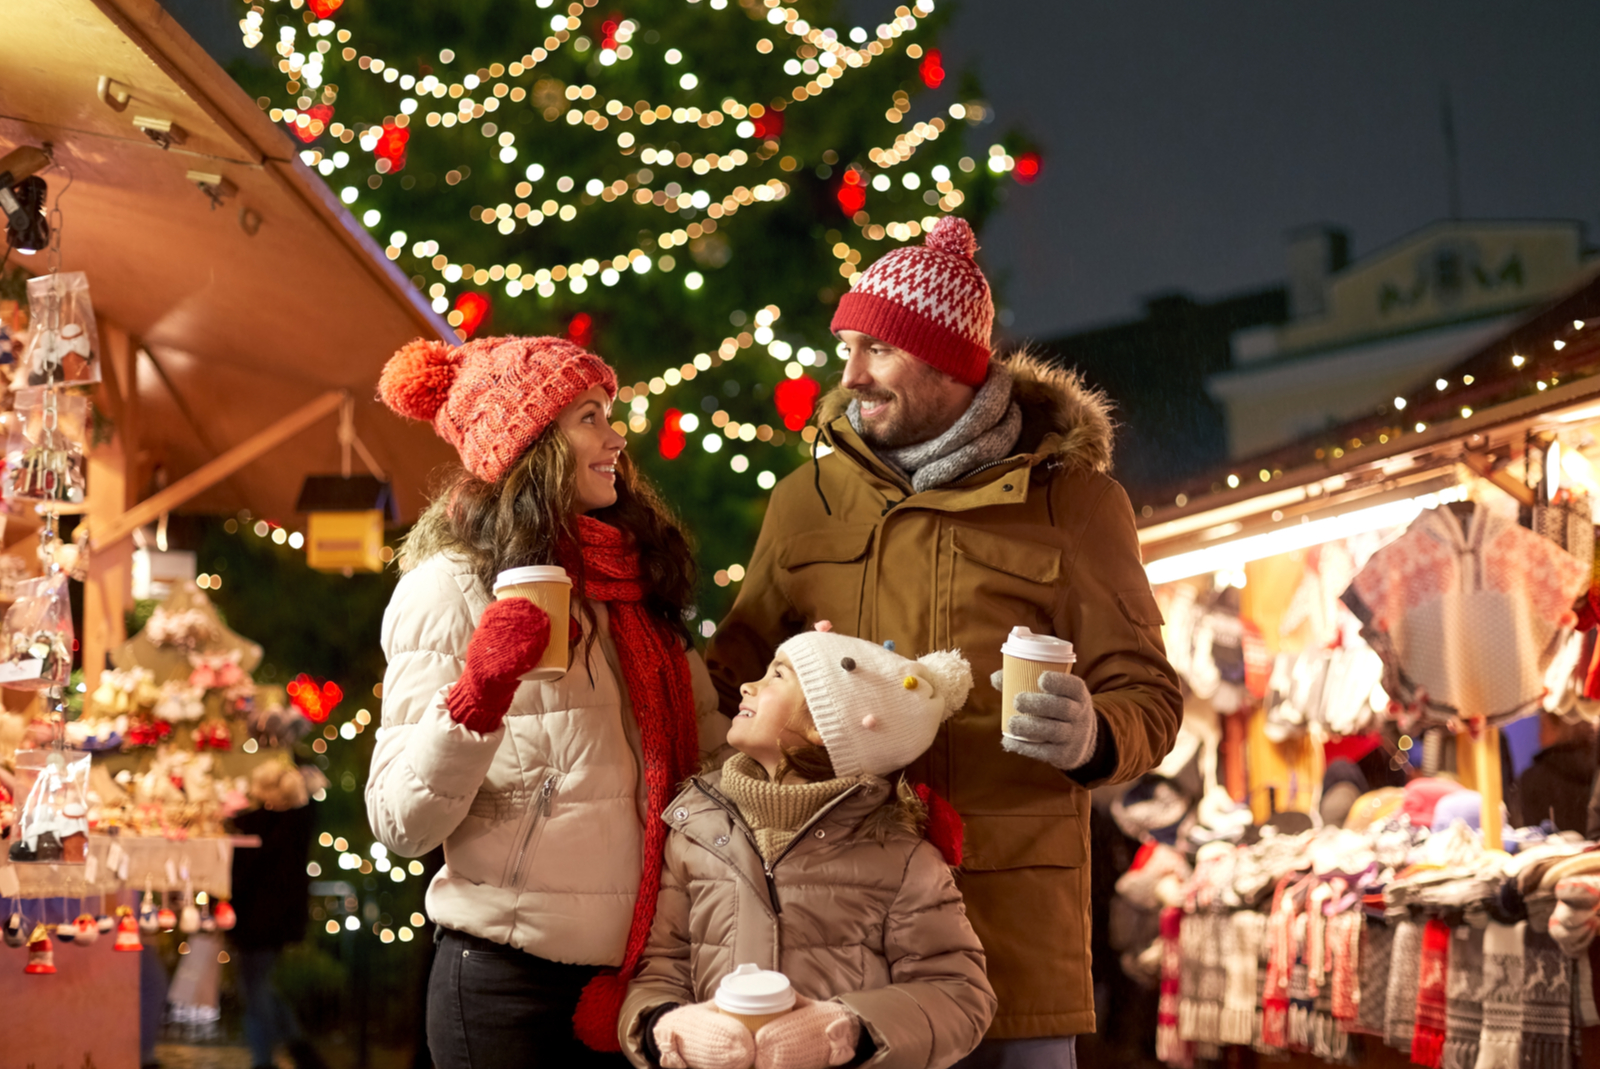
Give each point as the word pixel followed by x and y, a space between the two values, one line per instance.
pixel 876 711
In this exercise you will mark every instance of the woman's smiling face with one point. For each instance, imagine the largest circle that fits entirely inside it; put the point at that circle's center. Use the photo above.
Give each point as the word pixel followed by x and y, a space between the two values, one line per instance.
pixel 595 447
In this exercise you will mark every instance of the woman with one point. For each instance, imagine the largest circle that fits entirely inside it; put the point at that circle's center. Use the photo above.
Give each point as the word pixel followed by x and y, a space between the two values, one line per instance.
pixel 544 795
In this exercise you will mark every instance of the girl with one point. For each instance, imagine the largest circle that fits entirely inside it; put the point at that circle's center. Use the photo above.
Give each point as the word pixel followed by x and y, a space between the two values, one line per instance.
pixel 538 791
pixel 803 855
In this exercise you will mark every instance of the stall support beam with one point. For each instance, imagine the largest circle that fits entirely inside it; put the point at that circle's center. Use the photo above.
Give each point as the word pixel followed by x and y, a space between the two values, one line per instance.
pixel 1482 750
pixel 108 587
pixel 214 471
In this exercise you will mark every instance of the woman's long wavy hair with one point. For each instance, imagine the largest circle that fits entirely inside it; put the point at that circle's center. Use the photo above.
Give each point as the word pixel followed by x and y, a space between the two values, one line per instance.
pixel 531 512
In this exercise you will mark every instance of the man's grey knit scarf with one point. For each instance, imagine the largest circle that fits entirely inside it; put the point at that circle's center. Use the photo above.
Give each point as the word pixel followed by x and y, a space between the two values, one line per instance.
pixel 985 433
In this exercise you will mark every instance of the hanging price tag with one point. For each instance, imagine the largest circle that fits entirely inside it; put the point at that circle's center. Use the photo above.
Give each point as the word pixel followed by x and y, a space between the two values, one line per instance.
pixel 115 857
pixel 91 870
pixel 172 874
pixel 9 887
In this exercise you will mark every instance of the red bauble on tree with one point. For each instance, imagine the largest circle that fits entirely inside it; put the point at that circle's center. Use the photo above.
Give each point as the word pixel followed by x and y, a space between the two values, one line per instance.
pixel 852 192
pixel 324 9
pixel 1027 169
pixel 931 69
pixel 580 330
pixel 796 400
pixel 673 439
pixel 473 307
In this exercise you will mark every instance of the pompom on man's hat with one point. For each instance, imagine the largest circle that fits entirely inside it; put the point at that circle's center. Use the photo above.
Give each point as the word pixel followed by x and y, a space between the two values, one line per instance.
pixel 876 711
pixel 492 397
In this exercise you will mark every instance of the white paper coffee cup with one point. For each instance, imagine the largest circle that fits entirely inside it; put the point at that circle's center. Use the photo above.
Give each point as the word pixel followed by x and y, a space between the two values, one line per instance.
pixel 549 587
pixel 1025 657
pixel 753 996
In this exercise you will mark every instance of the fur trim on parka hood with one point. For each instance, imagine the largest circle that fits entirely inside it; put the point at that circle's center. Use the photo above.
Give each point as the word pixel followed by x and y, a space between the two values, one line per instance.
pixel 1054 400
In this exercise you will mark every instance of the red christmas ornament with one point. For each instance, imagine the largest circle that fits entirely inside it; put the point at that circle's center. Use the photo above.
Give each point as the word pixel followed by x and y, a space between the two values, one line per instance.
pixel 1027 168
pixel 391 146
pixel 324 9
pixel 852 192
pixel 473 307
pixel 580 330
pixel 315 703
pixel 931 68
pixel 768 126
pixel 672 437
pixel 310 124
pixel 796 400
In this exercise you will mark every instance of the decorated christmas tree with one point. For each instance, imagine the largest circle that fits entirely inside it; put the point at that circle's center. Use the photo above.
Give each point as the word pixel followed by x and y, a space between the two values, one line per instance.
pixel 685 185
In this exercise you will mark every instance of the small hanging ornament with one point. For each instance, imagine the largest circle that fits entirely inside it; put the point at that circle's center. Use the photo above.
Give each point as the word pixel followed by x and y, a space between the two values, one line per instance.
pixel 16 930
pixel 85 932
pixel 166 920
pixel 208 919
pixel 105 923
pixel 189 921
pixel 41 958
pixel 127 931
pixel 226 917
pixel 148 914
pixel 65 933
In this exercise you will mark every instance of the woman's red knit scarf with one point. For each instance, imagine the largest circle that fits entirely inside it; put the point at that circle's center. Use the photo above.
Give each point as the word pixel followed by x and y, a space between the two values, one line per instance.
pixel 655 667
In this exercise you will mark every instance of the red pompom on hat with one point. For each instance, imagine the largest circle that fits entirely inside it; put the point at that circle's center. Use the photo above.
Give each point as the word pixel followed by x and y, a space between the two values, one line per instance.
pixel 492 397
pixel 930 300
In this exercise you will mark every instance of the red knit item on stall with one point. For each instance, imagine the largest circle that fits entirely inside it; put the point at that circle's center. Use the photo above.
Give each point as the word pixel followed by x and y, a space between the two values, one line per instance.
pixel 655 666
pixel 1427 1041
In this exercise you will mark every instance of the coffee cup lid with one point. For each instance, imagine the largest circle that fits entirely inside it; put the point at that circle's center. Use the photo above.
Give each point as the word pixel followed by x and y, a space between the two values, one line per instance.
pixel 750 989
pixel 1023 643
pixel 536 573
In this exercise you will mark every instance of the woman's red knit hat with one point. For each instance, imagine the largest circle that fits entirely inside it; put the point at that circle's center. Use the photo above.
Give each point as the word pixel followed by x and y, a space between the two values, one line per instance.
pixel 492 397
pixel 930 300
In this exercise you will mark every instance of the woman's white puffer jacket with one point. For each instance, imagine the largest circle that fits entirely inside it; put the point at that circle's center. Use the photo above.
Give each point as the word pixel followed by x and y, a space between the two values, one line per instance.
pixel 542 820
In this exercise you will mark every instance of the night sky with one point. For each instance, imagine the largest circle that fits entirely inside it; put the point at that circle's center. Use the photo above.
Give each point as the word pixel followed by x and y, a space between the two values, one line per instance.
pixel 1182 139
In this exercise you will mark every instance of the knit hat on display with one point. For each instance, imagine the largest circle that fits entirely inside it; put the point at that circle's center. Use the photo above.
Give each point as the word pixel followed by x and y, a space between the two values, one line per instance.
pixel 876 710
pixel 492 397
pixel 930 300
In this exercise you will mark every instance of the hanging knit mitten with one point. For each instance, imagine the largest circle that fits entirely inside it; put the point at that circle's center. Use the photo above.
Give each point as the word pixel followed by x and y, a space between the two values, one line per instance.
pixel 1500 1046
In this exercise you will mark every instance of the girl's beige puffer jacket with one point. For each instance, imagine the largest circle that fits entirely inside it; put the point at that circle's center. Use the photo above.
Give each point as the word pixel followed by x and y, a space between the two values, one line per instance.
pixel 859 909
pixel 542 820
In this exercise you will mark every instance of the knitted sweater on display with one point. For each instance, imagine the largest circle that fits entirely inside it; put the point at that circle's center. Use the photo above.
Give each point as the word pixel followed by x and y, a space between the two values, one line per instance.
pixel 774 811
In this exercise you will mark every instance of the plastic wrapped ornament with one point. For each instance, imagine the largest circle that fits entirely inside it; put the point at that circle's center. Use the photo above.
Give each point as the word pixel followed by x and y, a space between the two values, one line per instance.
pixel 148 915
pixel 85 931
pixel 65 933
pixel 41 957
pixel 105 923
pixel 127 931
pixel 189 920
pixel 208 920
pixel 226 917
pixel 16 930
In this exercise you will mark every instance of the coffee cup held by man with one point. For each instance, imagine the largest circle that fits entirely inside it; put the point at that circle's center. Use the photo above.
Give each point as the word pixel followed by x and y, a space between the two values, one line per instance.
pixel 965 494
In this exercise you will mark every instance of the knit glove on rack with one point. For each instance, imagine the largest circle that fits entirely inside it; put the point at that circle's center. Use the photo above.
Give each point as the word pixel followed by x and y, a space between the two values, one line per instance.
pixel 510 639
pixel 1058 726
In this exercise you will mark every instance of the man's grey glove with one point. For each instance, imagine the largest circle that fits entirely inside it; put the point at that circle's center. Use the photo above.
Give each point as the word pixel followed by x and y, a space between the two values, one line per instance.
pixel 1058 727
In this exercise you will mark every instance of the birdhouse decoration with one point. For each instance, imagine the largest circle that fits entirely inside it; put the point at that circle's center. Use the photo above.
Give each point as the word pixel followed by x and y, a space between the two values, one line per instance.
pixel 346 521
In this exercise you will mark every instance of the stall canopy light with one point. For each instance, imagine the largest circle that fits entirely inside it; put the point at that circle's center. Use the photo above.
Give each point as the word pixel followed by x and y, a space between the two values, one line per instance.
pixel 1232 556
pixel 347 515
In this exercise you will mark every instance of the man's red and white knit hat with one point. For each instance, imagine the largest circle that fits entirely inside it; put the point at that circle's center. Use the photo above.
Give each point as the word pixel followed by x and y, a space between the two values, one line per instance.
pixel 930 300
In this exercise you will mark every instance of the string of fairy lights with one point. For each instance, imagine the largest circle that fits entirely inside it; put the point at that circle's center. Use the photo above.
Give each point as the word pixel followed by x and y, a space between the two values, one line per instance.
pixel 822 56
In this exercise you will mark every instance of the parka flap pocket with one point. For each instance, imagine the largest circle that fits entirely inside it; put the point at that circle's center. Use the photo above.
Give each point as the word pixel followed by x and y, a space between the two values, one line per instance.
pixel 1033 561
pixel 1140 607
pixel 831 545
pixel 1023 842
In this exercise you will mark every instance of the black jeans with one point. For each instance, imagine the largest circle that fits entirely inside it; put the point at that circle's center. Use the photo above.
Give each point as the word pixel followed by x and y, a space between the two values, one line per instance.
pixel 491 1006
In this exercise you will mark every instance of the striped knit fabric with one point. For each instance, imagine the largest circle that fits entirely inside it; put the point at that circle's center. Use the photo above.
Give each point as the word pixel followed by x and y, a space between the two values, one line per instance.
pixel 1463 1008
pixel 1546 1004
pixel 1427 1040
pixel 1344 950
pixel 1169 1048
pixel 1500 1045
pixel 1377 953
pixel 1405 963
pixel 1246 930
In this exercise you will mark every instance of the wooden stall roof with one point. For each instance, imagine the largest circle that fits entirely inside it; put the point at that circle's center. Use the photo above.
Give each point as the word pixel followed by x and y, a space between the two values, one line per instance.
pixel 247 327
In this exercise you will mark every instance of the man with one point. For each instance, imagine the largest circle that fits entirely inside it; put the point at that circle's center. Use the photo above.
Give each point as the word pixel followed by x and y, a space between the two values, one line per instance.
pixel 962 497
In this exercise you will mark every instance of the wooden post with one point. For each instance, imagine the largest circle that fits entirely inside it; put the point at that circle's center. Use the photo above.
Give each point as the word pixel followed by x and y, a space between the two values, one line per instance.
pixel 108 588
pixel 1481 748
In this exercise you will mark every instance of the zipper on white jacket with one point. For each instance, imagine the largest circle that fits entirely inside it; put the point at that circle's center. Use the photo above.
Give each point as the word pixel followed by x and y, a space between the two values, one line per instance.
pixel 541 811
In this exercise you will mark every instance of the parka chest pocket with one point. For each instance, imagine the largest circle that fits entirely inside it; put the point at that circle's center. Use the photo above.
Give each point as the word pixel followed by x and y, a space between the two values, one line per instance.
pixel 823 572
pixel 994 577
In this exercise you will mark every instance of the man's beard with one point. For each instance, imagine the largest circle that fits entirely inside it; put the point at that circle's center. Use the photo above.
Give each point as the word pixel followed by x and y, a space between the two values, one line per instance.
pixel 897 427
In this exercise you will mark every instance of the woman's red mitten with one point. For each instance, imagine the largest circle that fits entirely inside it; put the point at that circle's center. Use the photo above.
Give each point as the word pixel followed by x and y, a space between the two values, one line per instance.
pixel 510 639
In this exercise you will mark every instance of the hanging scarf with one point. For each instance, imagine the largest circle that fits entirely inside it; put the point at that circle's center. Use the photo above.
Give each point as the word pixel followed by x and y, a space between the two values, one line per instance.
pixel 1344 952
pixel 1500 1046
pixel 1546 1003
pixel 986 432
pixel 655 667
pixel 1427 1039
pixel 1280 962
pixel 1238 1022
pixel 1169 1048
pixel 1372 967
pixel 1405 962
pixel 1463 1006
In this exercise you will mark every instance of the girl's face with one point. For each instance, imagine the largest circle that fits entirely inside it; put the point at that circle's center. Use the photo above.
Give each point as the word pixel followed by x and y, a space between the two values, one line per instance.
pixel 772 716
pixel 595 448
